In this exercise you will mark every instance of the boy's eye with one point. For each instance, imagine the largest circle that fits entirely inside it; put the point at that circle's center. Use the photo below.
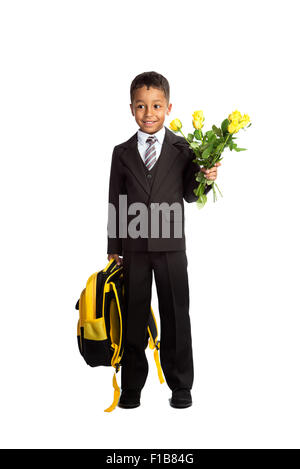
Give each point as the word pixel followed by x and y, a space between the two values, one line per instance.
pixel 155 105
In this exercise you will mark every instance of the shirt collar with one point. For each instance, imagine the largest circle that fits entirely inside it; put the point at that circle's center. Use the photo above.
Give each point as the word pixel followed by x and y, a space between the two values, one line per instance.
pixel 160 135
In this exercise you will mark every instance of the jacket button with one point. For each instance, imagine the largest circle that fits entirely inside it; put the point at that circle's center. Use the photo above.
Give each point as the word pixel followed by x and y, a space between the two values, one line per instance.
pixel 149 176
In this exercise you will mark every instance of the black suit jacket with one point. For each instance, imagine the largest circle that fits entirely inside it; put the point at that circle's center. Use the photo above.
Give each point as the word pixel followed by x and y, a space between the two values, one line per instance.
pixel 174 181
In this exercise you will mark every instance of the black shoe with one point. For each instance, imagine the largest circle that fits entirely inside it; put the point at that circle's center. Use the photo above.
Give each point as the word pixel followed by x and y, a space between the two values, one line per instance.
pixel 181 398
pixel 130 398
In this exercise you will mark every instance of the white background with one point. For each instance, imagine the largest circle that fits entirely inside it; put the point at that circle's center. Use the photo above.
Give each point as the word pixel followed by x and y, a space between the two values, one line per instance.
pixel 66 69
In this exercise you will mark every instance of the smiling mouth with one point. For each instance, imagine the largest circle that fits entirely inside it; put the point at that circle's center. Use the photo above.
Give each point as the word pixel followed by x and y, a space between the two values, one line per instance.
pixel 149 122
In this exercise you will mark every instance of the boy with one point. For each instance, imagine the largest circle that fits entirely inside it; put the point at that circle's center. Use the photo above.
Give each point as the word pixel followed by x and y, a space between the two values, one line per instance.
pixel 152 169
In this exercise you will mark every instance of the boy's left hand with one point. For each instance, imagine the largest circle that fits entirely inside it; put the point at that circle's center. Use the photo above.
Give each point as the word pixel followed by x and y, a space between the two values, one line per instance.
pixel 212 172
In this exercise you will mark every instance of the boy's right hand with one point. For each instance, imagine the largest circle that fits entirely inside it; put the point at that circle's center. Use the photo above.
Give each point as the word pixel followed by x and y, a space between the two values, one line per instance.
pixel 119 260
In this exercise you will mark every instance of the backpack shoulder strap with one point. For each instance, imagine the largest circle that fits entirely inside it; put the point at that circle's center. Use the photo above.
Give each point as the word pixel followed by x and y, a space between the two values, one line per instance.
pixel 116 395
pixel 154 343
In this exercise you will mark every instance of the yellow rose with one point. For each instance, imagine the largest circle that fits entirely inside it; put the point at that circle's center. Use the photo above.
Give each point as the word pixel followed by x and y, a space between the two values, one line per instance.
pixel 237 121
pixel 245 120
pixel 198 119
pixel 233 127
pixel 198 115
pixel 236 115
pixel 197 123
pixel 240 125
pixel 175 125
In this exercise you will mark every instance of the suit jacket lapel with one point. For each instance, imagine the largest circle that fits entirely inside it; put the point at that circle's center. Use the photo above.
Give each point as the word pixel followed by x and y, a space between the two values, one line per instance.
pixel 132 159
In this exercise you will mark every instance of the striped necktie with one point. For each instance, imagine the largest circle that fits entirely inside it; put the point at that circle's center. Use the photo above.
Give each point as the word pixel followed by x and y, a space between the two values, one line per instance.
pixel 150 155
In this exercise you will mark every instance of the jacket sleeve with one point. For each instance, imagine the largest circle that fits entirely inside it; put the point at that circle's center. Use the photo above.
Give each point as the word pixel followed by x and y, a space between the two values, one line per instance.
pixel 116 187
pixel 189 179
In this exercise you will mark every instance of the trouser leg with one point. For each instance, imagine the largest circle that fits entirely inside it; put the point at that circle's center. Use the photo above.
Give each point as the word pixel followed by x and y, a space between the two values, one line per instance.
pixel 138 283
pixel 171 278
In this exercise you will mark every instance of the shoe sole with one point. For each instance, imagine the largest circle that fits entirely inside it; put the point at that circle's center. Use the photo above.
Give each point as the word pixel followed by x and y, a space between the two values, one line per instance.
pixel 181 406
pixel 128 406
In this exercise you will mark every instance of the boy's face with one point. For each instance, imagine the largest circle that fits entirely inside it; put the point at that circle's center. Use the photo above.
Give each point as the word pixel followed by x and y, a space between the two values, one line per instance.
pixel 150 107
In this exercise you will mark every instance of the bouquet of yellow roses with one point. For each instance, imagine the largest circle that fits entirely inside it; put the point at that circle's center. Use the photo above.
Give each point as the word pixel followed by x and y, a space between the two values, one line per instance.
pixel 209 147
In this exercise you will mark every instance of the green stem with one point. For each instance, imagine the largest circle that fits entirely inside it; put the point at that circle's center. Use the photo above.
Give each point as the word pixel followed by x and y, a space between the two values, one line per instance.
pixel 220 152
pixel 218 188
pixel 216 158
pixel 201 135
pixel 214 193
pixel 184 136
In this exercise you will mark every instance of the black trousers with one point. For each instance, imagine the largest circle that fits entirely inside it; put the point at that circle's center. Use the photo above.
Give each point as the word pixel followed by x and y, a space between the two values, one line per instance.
pixel 171 278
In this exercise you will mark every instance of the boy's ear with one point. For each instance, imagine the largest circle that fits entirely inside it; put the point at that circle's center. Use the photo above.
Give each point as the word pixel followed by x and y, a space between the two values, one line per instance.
pixel 169 108
pixel 131 107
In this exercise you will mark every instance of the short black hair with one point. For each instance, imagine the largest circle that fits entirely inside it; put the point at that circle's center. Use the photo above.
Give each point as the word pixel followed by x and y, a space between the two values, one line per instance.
pixel 154 79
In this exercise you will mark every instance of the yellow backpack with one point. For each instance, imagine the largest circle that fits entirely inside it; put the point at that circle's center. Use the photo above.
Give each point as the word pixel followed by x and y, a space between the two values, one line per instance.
pixel 100 328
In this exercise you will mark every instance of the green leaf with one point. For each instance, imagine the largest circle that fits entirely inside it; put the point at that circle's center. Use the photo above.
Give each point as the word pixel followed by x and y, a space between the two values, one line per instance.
pixel 219 147
pixel 201 201
pixel 206 153
pixel 224 126
pixel 197 134
pixel 240 149
pixel 203 147
pixel 190 137
pixel 200 176
pixel 194 145
pixel 217 131
pixel 211 136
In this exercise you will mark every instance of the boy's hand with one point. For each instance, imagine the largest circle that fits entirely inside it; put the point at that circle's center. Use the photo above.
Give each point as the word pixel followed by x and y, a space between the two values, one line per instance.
pixel 212 172
pixel 119 260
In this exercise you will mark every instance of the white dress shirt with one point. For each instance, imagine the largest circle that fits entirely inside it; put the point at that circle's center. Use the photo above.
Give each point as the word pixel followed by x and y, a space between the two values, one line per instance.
pixel 143 145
